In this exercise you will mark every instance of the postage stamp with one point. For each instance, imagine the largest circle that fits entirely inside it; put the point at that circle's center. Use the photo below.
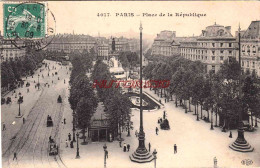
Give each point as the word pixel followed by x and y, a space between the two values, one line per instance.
pixel 24 20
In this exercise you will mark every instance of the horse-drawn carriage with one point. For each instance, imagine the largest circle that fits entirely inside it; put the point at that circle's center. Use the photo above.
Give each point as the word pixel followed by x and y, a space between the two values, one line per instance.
pixel 49 121
pixel 27 84
pixel 59 100
pixel 165 124
pixel 53 148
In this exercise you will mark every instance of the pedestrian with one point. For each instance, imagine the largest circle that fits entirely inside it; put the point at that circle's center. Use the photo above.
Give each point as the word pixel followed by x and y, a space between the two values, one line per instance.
pixel 67 145
pixel 64 120
pixel 128 147
pixel 156 130
pixel 27 90
pixel 136 133
pixel 164 115
pixel 15 156
pixel 149 145
pixel 71 144
pixel 124 147
pixel 165 100
pixel 23 120
pixel 69 137
pixel 4 128
pixel 50 139
pixel 175 148
pixel 106 152
pixel 120 143
pixel 230 135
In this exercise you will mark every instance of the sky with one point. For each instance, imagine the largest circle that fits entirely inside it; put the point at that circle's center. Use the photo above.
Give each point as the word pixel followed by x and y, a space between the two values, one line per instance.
pixel 82 16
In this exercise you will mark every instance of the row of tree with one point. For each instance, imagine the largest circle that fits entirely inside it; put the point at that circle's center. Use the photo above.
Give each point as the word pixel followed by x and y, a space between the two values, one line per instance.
pixel 82 99
pixel 117 105
pixel 128 59
pixel 12 71
pixel 215 92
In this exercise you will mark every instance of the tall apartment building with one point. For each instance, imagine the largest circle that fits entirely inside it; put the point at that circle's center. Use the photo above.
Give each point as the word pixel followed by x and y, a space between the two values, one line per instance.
pixel 70 42
pixel 9 51
pixel 250 48
pixel 164 44
pixel 102 51
pixel 212 47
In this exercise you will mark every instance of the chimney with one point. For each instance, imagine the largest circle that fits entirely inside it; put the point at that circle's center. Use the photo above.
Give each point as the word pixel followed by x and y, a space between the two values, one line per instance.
pixel 228 28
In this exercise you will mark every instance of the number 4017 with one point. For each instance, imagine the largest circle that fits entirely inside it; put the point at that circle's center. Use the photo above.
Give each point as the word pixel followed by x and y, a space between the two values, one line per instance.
pixel 103 14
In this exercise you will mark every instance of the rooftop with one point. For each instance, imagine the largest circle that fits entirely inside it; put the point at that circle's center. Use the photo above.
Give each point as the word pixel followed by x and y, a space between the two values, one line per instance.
pixel 253 30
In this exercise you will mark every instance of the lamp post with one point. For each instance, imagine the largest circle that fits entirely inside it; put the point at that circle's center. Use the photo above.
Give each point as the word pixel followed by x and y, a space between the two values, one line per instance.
pixel 211 120
pixel 197 113
pixel 73 129
pixel 155 157
pixel 141 155
pixel 128 129
pixel 77 156
pixel 105 148
pixel 240 145
pixel 19 102
pixel 38 82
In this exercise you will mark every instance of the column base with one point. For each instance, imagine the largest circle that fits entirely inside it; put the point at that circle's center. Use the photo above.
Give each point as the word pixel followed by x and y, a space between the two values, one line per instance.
pixel 19 116
pixel 241 146
pixel 141 156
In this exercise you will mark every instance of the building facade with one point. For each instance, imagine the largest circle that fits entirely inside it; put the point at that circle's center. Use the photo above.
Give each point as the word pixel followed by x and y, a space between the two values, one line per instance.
pixel 70 43
pixel 165 44
pixel 102 51
pixel 212 47
pixel 250 48
pixel 123 44
pixel 9 51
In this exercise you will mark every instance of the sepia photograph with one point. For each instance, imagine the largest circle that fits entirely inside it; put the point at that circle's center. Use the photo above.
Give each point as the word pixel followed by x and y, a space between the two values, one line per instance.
pixel 130 84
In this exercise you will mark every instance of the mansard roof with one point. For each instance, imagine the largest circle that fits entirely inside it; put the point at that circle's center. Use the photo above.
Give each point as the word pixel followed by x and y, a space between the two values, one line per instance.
pixel 216 31
pixel 253 31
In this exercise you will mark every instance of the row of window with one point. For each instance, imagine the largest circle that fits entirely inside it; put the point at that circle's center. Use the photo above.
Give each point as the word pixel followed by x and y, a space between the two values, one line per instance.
pixel 248 49
pixel 248 64
pixel 213 58
pixel 204 51
pixel 215 45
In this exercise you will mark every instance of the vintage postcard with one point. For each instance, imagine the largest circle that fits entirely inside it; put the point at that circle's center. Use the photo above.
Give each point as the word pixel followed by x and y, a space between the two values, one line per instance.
pixel 130 84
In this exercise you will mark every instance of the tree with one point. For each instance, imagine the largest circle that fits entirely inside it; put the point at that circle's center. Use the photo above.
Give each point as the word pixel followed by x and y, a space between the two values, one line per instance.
pixel 86 107
pixel 229 103
pixel 250 96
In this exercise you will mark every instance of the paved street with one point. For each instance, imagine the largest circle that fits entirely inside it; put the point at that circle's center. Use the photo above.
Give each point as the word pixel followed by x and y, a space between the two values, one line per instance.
pixel 30 140
pixel 197 144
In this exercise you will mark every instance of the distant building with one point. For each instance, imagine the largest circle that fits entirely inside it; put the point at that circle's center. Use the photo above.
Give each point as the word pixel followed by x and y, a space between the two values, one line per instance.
pixel 212 47
pixel 123 44
pixel 102 50
pixel 9 51
pixel 250 48
pixel 70 42
pixel 164 44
